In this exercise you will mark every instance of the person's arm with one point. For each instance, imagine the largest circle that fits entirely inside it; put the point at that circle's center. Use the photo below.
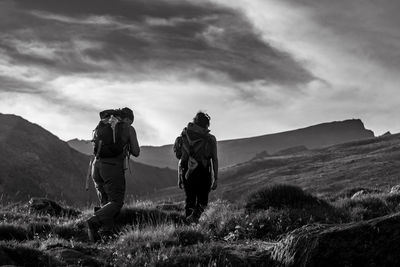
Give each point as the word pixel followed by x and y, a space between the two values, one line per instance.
pixel 134 144
pixel 214 159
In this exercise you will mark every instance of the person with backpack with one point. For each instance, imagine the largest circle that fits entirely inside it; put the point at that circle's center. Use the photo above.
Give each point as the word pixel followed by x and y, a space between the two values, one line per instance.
pixel 114 141
pixel 196 150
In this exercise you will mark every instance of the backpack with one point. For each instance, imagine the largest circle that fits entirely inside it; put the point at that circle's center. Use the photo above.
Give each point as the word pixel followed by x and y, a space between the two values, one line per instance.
pixel 107 136
pixel 191 153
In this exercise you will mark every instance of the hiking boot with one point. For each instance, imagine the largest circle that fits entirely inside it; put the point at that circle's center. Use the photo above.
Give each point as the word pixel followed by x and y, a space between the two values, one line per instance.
pixel 93 230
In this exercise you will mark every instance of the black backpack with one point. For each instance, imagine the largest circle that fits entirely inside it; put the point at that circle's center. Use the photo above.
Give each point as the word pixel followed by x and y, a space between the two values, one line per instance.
pixel 107 136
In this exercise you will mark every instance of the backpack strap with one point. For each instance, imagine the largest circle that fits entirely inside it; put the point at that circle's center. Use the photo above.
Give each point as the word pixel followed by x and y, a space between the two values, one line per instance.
pixel 190 146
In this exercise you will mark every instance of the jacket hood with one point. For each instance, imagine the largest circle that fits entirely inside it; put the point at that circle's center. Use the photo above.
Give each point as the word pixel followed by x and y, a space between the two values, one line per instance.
pixel 195 131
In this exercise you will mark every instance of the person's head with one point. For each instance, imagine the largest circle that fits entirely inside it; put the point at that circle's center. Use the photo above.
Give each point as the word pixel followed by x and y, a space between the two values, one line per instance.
pixel 127 115
pixel 202 119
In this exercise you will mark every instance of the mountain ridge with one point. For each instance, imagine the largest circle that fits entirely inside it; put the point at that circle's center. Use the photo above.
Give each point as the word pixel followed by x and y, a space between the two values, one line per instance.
pixel 236 151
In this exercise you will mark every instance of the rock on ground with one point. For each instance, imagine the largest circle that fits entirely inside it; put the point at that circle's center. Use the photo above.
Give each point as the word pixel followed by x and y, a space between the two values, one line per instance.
pixel 50 207
pixel 359 194
pixel 395 189
pixel 367 243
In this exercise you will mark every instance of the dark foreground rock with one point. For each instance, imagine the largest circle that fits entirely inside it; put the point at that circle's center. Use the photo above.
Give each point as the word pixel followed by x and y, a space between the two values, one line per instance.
pixel 49 207
pixel 368 243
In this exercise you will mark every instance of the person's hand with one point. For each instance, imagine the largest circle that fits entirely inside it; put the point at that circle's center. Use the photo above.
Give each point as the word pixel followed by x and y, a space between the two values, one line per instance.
pixel 214 184
pixel 180 184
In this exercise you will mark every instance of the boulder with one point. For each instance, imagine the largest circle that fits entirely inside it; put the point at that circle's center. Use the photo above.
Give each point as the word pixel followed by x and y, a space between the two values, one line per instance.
pixel 368 243
pixel 359 194
pixel 395 189
pixel 49 207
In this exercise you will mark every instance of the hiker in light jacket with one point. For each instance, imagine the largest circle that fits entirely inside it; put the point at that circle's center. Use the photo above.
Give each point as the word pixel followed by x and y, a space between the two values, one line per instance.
pixel 108 171
pixel 196 150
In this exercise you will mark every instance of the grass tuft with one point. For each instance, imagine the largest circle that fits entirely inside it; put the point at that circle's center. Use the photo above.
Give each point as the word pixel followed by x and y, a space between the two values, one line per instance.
pixel 364 208
pixel 147 216
pixel 281 196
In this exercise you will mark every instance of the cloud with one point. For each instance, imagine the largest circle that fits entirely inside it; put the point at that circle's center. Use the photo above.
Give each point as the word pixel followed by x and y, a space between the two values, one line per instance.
pixel 352 49
pixel 156 35
pixel 256 66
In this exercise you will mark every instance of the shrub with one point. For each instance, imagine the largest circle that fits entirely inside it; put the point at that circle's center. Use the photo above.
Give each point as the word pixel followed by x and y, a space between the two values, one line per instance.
pixel 364 208
pixel 281 196
pixel 217 215
pixel 272 223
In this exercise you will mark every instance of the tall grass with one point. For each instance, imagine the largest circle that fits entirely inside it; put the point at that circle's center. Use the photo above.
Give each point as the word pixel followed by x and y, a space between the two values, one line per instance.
pixel 281 196
pixel 154 234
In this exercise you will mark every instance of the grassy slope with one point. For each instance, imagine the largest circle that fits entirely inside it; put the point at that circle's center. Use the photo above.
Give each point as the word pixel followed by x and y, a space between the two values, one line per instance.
pixel 153 234
pixel 369 163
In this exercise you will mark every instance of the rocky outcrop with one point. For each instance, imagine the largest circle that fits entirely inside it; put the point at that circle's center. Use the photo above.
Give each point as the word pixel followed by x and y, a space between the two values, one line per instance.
pixel 368 243
pixel 395 189
pixel 359 194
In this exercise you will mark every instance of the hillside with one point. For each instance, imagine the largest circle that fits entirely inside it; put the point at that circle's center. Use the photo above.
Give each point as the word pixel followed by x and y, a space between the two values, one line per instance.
pixel 83 146
pixel 34 162
pixel 371 163
pixel 279 225
pixel 236 151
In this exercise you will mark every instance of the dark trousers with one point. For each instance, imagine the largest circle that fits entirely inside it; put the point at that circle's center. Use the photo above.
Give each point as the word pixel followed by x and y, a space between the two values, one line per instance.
pixel 197 187
pixel 109 180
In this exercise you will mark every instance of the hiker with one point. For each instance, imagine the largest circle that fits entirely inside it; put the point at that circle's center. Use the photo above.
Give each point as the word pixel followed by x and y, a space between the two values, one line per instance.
pixel 196 150
pixel 114 141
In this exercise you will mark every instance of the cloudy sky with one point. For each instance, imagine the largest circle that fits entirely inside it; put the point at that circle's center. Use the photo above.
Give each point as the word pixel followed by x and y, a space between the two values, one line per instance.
pixel 256 66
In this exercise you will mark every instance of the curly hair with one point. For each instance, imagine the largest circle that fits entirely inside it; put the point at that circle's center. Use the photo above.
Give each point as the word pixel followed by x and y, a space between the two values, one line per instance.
pixel 202 119
pixel 127 113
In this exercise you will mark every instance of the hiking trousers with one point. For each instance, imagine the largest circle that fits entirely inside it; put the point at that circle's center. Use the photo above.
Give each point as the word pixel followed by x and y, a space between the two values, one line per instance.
pixel 197 188
pixel 109 180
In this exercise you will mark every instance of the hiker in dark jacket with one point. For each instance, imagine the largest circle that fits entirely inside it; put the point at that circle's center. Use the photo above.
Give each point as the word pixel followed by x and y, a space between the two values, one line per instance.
pixel 108 173
pixel 198 165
